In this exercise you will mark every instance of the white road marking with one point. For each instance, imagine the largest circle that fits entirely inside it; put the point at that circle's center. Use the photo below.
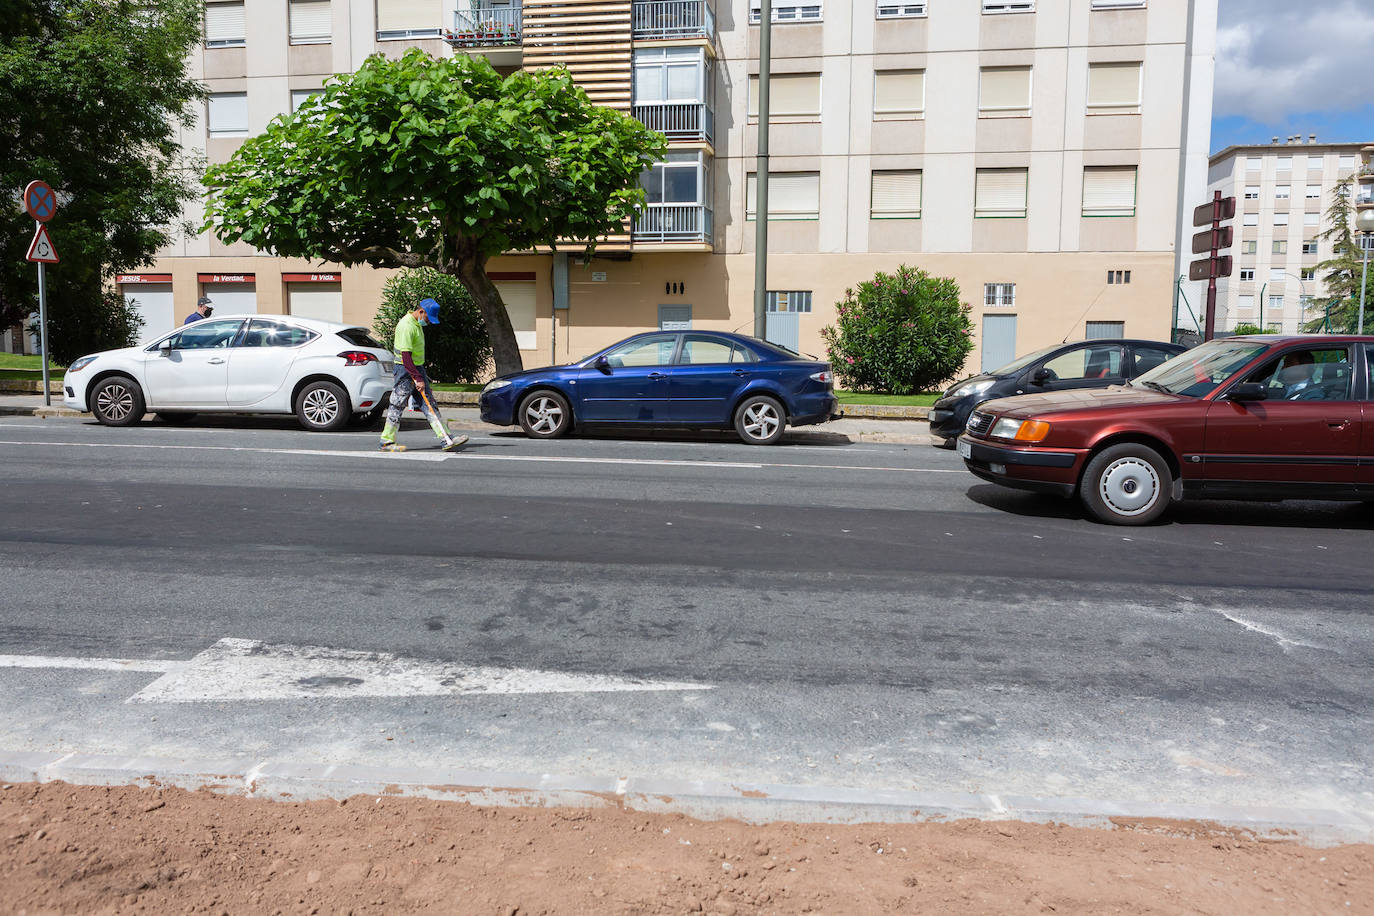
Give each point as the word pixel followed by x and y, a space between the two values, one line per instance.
pixel 89 664
pixel 385 456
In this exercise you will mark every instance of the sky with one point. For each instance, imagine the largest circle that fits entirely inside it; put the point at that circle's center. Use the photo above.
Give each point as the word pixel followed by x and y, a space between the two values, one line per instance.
pixel 1289 67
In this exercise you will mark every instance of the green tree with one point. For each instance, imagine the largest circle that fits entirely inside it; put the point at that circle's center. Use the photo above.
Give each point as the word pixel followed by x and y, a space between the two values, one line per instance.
pixel 1338 311
pixel 1246 329
pixel 91 94
pixel 903 332
pixel 419 162
pixel 458 348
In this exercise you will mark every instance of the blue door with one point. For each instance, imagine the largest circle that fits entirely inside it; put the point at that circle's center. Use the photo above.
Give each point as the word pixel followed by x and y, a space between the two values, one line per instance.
pixel 783 329
pixel 709 375
pixel 634 385
pixel 999 341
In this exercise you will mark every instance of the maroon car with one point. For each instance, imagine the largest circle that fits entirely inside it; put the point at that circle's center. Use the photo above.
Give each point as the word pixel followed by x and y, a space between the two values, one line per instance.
pixel 1239 418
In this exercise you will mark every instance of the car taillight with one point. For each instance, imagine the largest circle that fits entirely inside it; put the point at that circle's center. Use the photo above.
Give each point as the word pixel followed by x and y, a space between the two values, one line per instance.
pixel 357 357
pixel 823 377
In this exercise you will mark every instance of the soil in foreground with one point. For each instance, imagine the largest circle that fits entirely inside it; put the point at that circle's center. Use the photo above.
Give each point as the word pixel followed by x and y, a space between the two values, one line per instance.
pixel 109 850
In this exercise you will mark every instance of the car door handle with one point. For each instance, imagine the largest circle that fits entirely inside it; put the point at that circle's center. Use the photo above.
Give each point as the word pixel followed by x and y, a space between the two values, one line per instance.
pixel 657 375
pixel 741 372
pixel 1338 424
pixel 216 361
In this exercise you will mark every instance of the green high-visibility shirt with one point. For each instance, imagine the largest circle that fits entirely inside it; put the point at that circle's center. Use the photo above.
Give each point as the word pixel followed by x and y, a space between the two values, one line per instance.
pixel 410 336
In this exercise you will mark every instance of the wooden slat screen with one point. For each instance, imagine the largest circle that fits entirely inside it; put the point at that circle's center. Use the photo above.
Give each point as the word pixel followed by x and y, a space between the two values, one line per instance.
pixel 590 37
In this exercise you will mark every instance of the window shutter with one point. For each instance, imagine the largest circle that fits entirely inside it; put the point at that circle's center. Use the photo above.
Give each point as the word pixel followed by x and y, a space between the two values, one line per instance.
pixel 1109 192
pixel 898 92
pixel 409 16
pixel 310 20
pixel 1114 88
pixel 1004 89
pixel 896 195
pixel 790 95
pixel 1000 192
pixel 225 25
pixel 1280 219
pixel 791 195
pixel 228 113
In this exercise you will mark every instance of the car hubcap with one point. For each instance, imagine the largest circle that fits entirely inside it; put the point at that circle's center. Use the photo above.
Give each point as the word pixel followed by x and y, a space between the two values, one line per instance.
pixel 321 407
pixel 544 415
pixel 116 402
pixel 760 421
pixel 1129 486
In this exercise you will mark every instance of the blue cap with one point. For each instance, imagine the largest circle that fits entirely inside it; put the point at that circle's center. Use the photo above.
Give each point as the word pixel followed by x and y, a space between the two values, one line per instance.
pixel 431 310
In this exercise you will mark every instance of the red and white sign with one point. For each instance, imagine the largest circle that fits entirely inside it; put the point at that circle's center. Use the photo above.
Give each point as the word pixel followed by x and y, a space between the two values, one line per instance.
pixel 227 278
pixel 41 249
pixel 312 278
pixel 39 202
pixel 129 279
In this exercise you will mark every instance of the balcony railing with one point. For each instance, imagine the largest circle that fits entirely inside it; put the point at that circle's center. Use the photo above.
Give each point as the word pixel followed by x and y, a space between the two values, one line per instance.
pixel 677 120
pixel 673 223
pixel 483 25
pixel 672 19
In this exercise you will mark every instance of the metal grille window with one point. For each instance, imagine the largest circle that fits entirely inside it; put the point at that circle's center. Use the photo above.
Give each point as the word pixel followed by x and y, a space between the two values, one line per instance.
pixel 1000 193
pixel 310 22
pixel 402 19
pixel 1008 6
pixel 999 295
pixel 1004 90
pixel 1109 191
pixel 225 25
pixel 791 195
pixel 1105 330
pixel 793 301
pixel 900 10
pixel 786 12
pixel 898 94
pixel 1116 277
pixel 896 195
pixel 1114 88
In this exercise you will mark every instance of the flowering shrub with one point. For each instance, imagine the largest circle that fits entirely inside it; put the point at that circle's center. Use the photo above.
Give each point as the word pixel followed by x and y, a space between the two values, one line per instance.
pixel 902 333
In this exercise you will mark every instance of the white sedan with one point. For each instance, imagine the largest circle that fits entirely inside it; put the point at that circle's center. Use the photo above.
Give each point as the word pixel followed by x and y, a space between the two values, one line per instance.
pixel 324 372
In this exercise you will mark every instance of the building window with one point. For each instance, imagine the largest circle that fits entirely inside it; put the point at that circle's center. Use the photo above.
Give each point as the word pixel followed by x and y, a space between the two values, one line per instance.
pixel 225 25
pixel 1252 192
pixel 1251 219
pixel 1253 163
pixel 1245 303
pixel 1105 330
pixel 794 301
pixel 1284 164
pixel 999 295
pixel 1004 91
pixel 227 114
pixel 1114 88
pixel 1281 191
pixel 1280 219
pixel 1117 277
pixel 898 94
pixel 1311 219
pixel 310 22
pixel 1118 4
pixel 896 195
pixel 1247 273
pixel 1008 6
pixel 298 97
pixel 1000 193
pixel 1276 303
pixel 1276 274
pixel 1315 163
pixel 1247 246
pixel 1314 192
pixel 1109 191
pixel 791 195
pixel 404 19
pixel 786 12
pixel 791 96
pixel 1280 246
pixel 1308 273
pixel 676 181
pixel 670 75
pixel 1309 247
pixel 1347 161
pixel 900 10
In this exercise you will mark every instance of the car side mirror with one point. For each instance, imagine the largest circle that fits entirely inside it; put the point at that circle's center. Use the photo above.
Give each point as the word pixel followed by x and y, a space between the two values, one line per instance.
pixel 1041 376
pixel 1247 391
pixel 603 364
pixel 165 348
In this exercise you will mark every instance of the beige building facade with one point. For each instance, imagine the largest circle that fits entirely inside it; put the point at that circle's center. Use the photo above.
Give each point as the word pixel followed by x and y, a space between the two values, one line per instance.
pixel 1282 190
pixel 1040 152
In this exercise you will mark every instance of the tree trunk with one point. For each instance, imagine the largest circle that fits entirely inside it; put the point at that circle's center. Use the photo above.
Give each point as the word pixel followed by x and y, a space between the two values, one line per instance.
pixel 472 273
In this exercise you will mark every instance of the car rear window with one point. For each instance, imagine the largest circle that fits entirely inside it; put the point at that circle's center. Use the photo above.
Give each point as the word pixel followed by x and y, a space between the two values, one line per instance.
pixel 360 338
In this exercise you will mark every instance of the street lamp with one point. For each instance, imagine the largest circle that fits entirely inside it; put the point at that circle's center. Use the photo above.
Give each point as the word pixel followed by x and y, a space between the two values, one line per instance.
pixel 1364 222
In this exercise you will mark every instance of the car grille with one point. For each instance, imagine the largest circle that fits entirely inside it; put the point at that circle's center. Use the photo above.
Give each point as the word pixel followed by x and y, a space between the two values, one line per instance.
pixel 979 422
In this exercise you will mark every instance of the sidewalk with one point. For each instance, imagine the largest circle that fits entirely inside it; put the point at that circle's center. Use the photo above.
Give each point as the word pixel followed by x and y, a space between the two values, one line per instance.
pixel 895 431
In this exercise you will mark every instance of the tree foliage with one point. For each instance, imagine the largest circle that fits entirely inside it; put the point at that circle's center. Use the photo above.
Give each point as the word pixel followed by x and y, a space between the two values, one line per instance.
pixel 436 163
pixel 1338 311
pixel 1245 329
pixel 457 349
pixel 903 333
pixel 91 94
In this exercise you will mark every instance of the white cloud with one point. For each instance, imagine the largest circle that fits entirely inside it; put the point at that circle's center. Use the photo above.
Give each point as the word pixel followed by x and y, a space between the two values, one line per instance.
pixel 1277 58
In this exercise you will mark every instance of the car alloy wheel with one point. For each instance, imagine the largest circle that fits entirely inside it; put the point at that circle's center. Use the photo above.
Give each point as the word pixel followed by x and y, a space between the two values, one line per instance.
pixel 545 415
pixel 117 401
pixel 322 407
pixel 759 421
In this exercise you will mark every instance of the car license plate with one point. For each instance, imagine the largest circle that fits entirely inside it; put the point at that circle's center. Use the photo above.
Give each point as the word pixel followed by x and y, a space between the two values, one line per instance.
pixel 965 449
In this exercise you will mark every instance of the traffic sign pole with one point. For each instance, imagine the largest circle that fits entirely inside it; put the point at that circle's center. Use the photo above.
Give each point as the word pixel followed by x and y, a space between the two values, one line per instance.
pixel 43 329
pixel 41 203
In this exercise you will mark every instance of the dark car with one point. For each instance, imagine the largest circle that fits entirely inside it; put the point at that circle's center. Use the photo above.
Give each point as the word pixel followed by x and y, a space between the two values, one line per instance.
pixel 700 379
pixel 1240 418
pixel 1084 364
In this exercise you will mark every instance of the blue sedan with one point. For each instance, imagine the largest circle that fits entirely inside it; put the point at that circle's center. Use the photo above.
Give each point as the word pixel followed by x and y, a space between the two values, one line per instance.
pixel 693 379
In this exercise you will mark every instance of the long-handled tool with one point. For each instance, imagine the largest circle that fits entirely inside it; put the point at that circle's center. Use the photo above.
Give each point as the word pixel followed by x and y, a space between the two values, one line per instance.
pixel 454 442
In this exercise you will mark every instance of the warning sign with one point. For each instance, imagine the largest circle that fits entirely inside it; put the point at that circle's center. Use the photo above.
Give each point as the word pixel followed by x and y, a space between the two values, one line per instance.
pixel 41 249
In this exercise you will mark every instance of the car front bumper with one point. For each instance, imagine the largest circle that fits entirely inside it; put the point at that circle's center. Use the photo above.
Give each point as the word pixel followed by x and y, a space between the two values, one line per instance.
pixel 74 392
pixel 498 407
pixel 1041 470
pixel 948 416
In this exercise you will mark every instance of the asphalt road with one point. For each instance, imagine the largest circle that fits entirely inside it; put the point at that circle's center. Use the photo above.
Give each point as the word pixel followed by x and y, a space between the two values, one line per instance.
pixel 820 612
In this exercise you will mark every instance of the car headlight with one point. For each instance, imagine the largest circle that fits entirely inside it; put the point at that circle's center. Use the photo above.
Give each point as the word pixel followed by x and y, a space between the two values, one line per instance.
pixel 495 384
pixel 81 363
pixel 972 388
pixel 1020 430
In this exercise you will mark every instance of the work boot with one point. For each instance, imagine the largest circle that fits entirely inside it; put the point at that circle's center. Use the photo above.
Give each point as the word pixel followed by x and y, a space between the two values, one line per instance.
pixel 452 444
pixel 391 446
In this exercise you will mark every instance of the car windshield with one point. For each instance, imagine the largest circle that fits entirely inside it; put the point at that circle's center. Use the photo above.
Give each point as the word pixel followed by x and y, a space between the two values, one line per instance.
pixel 1199 371
pixel 1015 366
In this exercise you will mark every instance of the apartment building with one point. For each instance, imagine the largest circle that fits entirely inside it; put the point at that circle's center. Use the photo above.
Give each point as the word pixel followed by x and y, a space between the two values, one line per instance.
pixel 1043 153
pixel 1282 190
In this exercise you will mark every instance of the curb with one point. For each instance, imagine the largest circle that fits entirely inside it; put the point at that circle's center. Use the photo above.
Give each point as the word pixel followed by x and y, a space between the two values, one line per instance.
pixel 279 780
pixel 42 412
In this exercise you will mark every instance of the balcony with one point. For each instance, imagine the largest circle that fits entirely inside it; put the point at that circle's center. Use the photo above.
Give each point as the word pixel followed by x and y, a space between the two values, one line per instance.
pixel 677 120
pixel 660 19
pixel 674 223
pixel 485 25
